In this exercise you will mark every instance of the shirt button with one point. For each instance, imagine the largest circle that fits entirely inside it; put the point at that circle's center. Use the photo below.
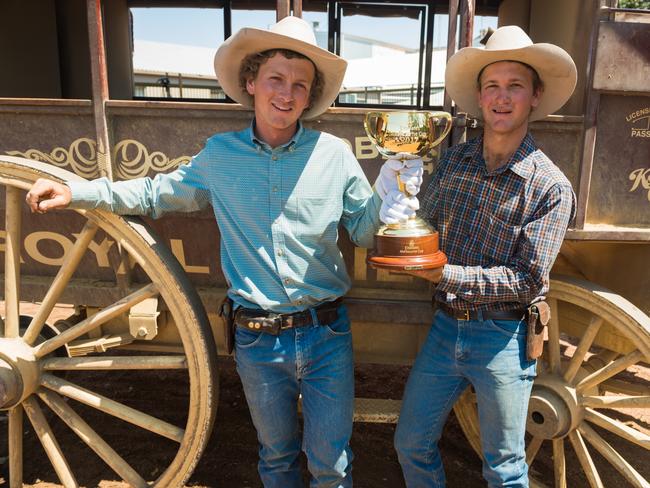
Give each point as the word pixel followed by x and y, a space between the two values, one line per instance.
pixel 286 281
pixel 275 189
pixel 280 252
pixel 274 157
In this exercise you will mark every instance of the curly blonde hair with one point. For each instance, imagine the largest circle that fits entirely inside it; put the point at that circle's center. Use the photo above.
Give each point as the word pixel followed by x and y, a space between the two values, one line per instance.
pixel 250 66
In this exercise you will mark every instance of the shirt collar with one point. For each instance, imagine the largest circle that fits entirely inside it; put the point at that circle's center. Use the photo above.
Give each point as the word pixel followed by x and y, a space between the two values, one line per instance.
pixel 288 145
pixel 520 162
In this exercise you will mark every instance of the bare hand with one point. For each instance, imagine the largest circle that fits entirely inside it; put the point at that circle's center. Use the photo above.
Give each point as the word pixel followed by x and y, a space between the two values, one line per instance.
pixel 46 195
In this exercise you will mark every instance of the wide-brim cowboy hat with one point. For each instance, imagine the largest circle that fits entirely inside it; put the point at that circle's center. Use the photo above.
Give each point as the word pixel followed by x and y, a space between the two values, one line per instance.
pixel 555 67
pixel 290 33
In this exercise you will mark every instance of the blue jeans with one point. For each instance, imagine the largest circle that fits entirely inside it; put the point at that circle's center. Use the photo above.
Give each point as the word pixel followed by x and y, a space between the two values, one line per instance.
pixel 315 361
pixel 491 356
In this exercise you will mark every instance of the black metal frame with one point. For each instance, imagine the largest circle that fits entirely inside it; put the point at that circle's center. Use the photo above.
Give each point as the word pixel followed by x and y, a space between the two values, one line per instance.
pixel 427 10
pixel 338 8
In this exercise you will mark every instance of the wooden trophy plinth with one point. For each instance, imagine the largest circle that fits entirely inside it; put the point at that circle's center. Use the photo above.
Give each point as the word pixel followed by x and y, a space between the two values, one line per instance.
pixel 410 246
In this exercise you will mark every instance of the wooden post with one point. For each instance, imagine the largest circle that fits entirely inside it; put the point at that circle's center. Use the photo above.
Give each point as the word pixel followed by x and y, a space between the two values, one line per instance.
pixel 283 8
pixel 466 35
pixel 297 8
pixel 592 102
pixel 99 86
pixel 466 23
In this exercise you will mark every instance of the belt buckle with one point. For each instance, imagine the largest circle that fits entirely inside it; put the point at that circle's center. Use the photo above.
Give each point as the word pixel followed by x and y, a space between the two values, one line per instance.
pixel 285 322
pixel 275 323
pixel 465 316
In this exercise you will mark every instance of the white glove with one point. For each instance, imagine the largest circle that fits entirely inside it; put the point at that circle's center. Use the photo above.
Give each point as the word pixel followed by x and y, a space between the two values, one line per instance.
pixel 410 170
pixel 397 207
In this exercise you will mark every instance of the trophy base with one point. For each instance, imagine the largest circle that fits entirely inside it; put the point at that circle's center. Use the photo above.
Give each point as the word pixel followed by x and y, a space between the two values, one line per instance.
pixel 430 261
pixel 410 246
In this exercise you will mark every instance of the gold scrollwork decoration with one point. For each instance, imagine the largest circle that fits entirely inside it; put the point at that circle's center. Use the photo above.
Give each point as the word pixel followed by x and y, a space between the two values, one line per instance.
pixel 80 157
pixel 641 177
pixel 131 158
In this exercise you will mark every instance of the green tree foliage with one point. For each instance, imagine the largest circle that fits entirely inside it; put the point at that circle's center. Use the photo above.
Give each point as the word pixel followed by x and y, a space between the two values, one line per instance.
pixel 644 4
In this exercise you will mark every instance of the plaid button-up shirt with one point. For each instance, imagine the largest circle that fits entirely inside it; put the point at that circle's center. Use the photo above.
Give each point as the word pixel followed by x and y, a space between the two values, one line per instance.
pixel 500 230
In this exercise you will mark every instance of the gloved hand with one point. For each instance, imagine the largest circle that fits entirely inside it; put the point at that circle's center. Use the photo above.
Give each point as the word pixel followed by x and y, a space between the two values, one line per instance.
pixel 397 207
pixel 410 170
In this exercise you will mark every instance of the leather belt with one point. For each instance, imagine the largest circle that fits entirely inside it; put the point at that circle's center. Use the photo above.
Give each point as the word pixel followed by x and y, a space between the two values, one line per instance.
pixel 519 314
pixel 258 320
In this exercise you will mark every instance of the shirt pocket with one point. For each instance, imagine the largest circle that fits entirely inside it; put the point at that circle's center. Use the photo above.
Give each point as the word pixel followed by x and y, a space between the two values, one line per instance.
pixel 498 240
pixel 317 217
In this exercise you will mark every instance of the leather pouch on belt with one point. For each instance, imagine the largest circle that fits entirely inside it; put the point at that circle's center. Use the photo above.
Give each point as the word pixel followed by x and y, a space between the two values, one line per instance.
pixel 227 313
pixel 539 313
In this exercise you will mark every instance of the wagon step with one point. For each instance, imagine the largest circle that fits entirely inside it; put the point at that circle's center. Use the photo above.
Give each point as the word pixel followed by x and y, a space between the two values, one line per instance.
pixel 377 410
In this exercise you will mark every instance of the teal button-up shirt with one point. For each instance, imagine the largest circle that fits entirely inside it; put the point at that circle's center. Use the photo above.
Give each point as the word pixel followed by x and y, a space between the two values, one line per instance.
pixel 278 212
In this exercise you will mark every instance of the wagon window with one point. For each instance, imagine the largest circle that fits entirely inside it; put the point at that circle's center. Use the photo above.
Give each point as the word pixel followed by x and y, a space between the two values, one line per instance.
pixel 382 45
pixel 173 52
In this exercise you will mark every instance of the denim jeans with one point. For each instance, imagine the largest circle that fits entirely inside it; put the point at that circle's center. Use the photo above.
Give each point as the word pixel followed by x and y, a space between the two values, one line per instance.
pixel 491 356
pixel 315 361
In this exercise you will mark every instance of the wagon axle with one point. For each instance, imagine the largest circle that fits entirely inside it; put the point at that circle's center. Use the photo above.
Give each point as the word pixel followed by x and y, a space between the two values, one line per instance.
pixel 553 410
pixel 19 372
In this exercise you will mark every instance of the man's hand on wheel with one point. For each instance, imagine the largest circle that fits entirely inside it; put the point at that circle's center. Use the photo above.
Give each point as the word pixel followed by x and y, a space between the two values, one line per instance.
pixel 46 195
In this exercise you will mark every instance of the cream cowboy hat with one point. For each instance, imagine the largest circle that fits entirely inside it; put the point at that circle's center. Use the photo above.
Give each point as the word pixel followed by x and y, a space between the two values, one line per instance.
pixel 290 33
pixel 510 43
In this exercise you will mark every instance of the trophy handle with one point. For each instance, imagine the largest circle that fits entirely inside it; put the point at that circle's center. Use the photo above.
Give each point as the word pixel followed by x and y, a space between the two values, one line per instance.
pixel 434 117
pixel 375 125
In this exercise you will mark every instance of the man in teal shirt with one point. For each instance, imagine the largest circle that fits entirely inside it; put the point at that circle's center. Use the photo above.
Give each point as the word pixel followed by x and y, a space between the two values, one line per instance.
pixel 279 192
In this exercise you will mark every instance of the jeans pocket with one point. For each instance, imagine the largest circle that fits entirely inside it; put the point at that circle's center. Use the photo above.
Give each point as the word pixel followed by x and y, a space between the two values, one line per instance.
pixel 510 328
pixel 246 338
pixel 340 327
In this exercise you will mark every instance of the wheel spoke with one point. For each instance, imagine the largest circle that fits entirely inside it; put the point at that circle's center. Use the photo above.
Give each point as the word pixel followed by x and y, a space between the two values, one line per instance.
pixel 51 446
pixel 610 454
pixel 584 457
pixel 610 370
pixel 618 428
pixel 92 439
pixel 533 449
pixel 95 321
pixel 582 349
pixel 115 363
pixel 112 407
pixel 559 463
pixel 554 338
pixel 15 439
pixel 616 401
pixel 62 278
pixel 13 217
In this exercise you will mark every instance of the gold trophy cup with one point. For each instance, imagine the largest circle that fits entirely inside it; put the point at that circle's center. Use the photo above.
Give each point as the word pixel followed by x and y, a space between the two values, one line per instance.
pixel 412 244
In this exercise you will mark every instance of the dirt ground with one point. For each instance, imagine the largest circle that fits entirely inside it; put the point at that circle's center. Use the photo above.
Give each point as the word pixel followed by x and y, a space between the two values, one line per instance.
pixel 231 455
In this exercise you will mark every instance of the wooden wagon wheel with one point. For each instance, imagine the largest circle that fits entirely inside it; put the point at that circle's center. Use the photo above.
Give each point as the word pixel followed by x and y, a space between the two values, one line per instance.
pixel 31 379
pixel 583 391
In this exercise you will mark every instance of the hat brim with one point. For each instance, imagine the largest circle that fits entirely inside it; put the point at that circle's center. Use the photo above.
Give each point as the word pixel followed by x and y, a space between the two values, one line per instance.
pixel 553 64
pixel 249 40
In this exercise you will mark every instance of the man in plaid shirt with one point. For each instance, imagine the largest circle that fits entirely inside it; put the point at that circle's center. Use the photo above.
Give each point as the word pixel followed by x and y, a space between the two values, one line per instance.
pixel 502 209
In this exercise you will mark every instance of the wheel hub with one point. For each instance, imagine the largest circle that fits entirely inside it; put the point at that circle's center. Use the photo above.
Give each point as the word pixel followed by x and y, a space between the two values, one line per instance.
pixel 19 372
pixel 553 410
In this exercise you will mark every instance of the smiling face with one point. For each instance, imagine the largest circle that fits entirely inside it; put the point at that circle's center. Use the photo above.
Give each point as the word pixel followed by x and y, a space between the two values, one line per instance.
pixel 281 93
pixel 506 97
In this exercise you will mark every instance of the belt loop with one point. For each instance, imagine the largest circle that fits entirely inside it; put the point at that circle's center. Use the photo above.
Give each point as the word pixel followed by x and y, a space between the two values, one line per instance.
pixel 479 316
pixel 314 316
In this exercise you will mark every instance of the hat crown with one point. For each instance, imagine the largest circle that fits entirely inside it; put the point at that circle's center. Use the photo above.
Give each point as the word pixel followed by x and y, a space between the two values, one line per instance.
pixel 295 28
pixel 508 37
